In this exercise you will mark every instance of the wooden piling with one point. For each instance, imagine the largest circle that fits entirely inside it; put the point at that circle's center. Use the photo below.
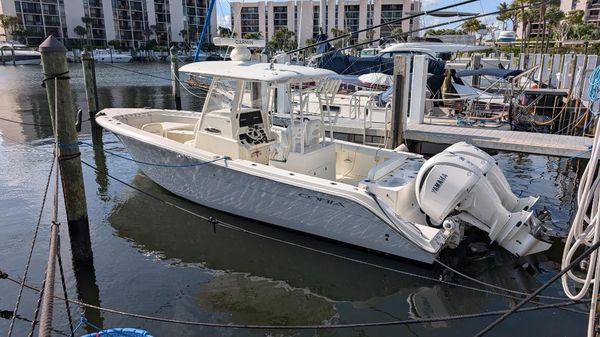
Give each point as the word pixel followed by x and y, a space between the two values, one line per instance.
pixel 476 65
pixel 56 71
pixel 175 77
pixel 398 117
pixel 91 93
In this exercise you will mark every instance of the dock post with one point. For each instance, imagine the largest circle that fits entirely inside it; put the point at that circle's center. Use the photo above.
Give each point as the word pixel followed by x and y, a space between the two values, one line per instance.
pixel 418 89
pixel 54 63
pixel 89 77
pixel 175 77
pixel 476 65
pixel 398 117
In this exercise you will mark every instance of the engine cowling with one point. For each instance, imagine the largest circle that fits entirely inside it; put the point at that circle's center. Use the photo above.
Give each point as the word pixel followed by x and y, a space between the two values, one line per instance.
pixel 464 184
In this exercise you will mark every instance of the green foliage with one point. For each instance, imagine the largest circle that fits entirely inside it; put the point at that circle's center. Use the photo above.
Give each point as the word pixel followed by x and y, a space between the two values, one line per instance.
pixel 224 32
pixel 585 31
pixel 575 17
pixel 505 15
pixel 396 32
pixel 20 34
pixel 283 39
pixel 253 36
pixel 80 31
pixel 449 31
pixel 339 32
pixel 308 42
pixel 553 18
pixel 9 23
pixel 471 25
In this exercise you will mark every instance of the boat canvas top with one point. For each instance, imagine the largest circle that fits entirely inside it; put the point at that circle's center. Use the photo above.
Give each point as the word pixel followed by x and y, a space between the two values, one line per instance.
pixel 435 47
pixel 255 71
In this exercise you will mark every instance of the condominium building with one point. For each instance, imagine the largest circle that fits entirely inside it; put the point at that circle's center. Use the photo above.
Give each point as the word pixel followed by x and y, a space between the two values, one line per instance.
pixel 591 9
pixel 303 17
pixel 131 22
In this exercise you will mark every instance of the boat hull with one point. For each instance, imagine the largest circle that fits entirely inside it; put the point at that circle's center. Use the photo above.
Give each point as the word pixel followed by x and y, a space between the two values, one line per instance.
pixel 218 186
pixel 20 59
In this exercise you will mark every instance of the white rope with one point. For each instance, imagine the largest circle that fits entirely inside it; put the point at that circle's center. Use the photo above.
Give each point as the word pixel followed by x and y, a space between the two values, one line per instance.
pixel 585 232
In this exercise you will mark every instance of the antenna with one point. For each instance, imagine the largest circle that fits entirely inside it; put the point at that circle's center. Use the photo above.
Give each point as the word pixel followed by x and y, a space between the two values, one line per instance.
pixel 240 50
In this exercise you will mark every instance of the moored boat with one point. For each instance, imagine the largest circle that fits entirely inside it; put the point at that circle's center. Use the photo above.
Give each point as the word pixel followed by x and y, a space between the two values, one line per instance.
pixel 10 50
pixel 111 56
pixel 232 158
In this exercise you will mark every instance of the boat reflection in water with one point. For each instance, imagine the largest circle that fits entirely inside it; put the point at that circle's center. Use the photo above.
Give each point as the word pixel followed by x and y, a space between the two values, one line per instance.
pixel 258 280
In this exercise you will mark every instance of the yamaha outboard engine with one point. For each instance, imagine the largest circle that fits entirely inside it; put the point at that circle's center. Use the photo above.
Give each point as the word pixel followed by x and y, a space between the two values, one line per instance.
pixel 463 185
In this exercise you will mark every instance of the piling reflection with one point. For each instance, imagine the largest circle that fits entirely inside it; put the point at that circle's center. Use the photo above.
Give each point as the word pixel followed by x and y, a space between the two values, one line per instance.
pixel 88 291
pixel 259 280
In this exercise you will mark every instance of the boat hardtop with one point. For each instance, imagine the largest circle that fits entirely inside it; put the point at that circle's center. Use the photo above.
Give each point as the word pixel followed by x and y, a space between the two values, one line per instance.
pixel 255 71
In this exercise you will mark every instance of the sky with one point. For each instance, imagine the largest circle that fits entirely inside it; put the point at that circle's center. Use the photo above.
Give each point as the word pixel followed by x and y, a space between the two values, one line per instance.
pixel 481 6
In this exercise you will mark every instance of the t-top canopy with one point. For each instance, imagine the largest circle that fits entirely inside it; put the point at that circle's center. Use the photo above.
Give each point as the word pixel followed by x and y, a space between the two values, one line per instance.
pixel 495 72
pixel 253 71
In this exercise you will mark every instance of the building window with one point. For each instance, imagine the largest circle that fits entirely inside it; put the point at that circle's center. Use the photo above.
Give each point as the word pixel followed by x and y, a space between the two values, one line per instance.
pixel 249 19
pixel 390 13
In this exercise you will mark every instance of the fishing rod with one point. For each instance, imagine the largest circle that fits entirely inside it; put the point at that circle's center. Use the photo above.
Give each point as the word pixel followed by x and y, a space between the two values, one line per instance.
pixel 429 27
pixel 381 25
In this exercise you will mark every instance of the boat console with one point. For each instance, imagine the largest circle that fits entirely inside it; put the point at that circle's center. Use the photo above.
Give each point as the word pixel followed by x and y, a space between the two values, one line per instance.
pixel 252 128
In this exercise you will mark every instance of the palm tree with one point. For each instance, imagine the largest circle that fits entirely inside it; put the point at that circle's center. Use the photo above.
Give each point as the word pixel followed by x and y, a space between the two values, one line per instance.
pixel 553 18
pixel 8 23
pixel 224 32
pixel 81 32
pixel 471 25
pixel 283 39
pixel 88 27
pixel 505 15
pixel 396 33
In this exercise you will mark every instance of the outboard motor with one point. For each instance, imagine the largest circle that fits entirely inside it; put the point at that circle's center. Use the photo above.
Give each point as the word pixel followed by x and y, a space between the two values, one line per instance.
pixel 463 185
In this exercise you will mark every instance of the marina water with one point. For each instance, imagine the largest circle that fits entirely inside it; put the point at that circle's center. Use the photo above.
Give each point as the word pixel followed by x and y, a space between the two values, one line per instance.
pixel 154 259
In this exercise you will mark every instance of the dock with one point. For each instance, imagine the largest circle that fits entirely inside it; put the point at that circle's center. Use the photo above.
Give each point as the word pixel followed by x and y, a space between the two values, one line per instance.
pixel 503 140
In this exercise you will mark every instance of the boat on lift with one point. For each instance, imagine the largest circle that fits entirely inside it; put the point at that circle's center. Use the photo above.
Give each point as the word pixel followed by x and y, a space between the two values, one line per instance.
pixel 22 55
pixel 232 158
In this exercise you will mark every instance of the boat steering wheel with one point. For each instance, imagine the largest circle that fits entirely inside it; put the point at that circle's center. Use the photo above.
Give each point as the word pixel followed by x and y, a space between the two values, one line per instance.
pixel 255 135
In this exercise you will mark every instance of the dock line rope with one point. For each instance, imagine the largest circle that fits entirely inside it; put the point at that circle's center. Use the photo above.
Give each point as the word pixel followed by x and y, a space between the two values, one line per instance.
pixel 33 241
pixel 565 270
pixel 312 327
pixel 585 230
pixel 56 77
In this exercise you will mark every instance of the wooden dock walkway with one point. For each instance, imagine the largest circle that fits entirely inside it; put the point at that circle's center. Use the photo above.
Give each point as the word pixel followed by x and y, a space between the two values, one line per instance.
pixel 504 140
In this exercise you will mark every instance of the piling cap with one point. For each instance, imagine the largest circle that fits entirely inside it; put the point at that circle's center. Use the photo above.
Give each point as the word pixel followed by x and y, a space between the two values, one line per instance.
pixel 52 45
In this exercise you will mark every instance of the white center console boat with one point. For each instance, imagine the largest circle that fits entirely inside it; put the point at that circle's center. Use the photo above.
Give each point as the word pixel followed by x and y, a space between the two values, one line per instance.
pixel 230 157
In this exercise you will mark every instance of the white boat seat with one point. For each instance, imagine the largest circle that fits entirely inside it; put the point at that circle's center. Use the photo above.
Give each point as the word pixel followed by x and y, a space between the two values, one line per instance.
pixel 162 128
pixel 181 136
pixel 307 132
pixel 312 132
